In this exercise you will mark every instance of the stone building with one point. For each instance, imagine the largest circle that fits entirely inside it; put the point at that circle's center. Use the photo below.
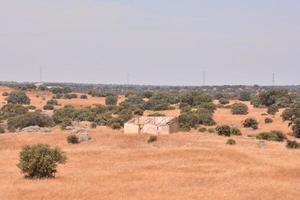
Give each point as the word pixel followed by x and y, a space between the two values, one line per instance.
pixel 152 125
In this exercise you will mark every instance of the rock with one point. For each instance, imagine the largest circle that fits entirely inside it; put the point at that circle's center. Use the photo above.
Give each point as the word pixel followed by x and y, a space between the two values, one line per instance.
pixel 69 128
pixel 79 130
pixel 83 137
pixel 31 129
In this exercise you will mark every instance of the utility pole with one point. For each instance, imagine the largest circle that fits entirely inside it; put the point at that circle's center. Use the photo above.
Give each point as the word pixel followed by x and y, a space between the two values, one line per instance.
pixel 273 79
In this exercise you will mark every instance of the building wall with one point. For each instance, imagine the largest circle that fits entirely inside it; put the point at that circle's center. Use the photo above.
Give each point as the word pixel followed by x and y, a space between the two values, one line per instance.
pixel 131 128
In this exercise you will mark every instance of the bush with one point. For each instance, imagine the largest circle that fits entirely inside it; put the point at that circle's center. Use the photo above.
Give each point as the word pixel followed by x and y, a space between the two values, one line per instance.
pixel 111 100
pixel 73 139
pixel 48 107
pixel 224 130
pixel 231 142
pixel 138 111
pixel 251 123
pixel 224 101
pixel 83 96
pixel 272 109
pixel 211 130
pixel 255 101
pixel 239 109
pixel 277 136
pixel 116 123
pixel 5 94
pixel 52 102
pixel 93 125
pixel 268 120
pixel 70 96
pixel 57 96
pixel 40 161
pixel 18 97
pixel 31 107
pixel 296 128
pixel 29 119
pixel 202 129
pixel 292 144
pixel 235 131
pixel 2 130
pixel 245 96
pixel 12 110
pixel 274 96
pixel 152 138
pixel 65 123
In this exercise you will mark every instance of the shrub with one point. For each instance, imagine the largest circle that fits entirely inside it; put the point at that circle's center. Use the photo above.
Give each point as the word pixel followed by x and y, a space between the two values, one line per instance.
pixel 205 117
pixel 58 96
pixel 274 96
pixel 93 125
pixel 2 130
pixel 231 142
pixel 268 120
pixel 13 110
pixel 111 100
pixel 18 97
pixel 235 131
pixel 70 96
pixel 40 161
pixel 152 138
pixel 48 107
pixel 116 123
pixel 239 109
pixel 31 107
pixel 251 123
pixel 138 111
pixel 83 96
pixel 73 139
pixel 292 144
pixel 202 129
pixel 188 120
pixel 296 128
pixel 52 102
pixel 245 96
pixel 223 101
pixel 29 119
pixel 255 101
pixel 224 130
pixel 272 109
pixel 277 136
pixel 5 94
pixel 65 123
pixel 211 130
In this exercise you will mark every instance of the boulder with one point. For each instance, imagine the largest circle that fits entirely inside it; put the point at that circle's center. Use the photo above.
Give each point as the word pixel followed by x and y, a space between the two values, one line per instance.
pixel 78 130
pixel 83 137
pixel 32 129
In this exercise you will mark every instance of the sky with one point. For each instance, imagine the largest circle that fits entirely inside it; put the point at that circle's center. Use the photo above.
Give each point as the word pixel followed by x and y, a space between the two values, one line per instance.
pixel 157 42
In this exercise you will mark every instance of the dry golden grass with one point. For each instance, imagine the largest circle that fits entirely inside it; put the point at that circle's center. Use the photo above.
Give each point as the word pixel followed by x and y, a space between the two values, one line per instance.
pixel 178 166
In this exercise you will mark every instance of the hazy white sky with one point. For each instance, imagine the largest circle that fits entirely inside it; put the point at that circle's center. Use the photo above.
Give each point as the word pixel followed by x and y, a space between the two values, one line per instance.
pixel 157 42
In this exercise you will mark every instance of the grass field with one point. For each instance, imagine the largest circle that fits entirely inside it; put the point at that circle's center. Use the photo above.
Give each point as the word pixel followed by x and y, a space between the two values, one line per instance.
pixel 179 166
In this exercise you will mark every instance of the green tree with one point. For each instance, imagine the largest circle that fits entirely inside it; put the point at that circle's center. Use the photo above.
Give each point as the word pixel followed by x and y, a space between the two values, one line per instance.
pixel 40 161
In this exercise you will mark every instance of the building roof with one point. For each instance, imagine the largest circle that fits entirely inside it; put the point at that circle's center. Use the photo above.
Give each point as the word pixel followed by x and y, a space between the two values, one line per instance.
pixel 157 121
